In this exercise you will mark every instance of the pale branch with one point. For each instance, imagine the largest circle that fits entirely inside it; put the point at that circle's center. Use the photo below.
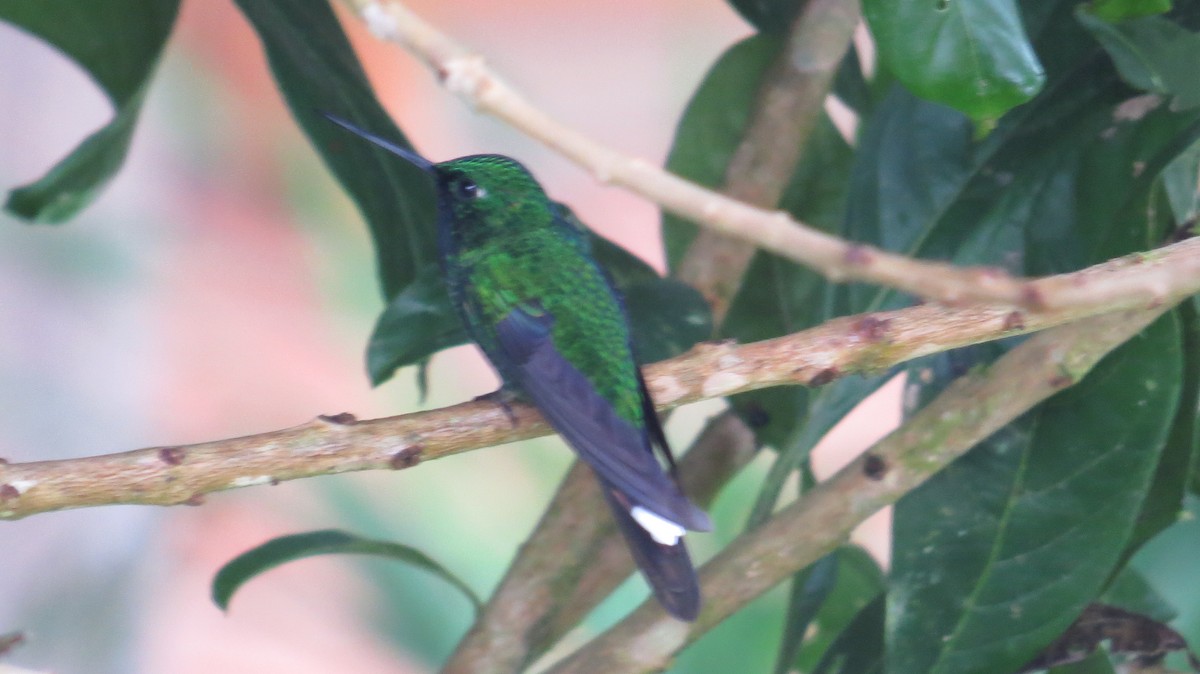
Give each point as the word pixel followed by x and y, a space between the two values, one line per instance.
pixel 865 343
pixel 789 103
pixel 968 411
pixel 575 557
pixel 465 73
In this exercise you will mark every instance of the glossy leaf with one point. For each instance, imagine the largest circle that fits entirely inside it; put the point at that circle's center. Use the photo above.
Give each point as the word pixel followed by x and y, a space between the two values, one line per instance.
pixel 285 549
pixel 317 71
pixel 972 56
pixel 1181 182
pixel 810 588
pixel 996 555
pixel 118 43
pixel 769 16
pixel 1152 53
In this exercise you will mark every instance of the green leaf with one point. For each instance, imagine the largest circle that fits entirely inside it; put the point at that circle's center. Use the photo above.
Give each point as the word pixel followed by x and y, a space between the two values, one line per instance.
pixel 317 71
pixel 712 126
pixel 417 323
pixel 667 317
pixel 1181 455
pixel 859 648
pixel 996 555
pixel 972 56
pixel 1152 54
pixel 810 588
pixel 1181 182
pixel 769 16
pixel 1114 11
pixel 285 549
pixel 118 43
pixel 858 582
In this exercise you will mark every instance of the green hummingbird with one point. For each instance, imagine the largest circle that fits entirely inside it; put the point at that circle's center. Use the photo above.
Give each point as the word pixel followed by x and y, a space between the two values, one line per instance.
pixel 520 274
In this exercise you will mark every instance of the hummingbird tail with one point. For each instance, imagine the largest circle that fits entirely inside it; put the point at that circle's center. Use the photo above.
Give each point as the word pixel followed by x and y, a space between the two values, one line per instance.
pixel 667 567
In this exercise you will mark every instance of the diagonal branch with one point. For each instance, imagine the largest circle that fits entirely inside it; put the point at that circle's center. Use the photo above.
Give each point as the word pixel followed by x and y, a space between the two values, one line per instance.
pixel 968 411
pixel 866 343
pixel 465 73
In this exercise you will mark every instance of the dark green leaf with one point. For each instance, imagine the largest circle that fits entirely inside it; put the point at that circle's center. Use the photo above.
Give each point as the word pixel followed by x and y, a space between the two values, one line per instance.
pixel 859 581
pixel 417 323
pixel 285 549
pixel 1119 10
pixel 996 555
pixel 712 127
pixel 769 16
pixel 971 56
pixel 810 588
pixel 667 317
pixel 859 648
pixel 1131 591
pixel 1152 54
pixel 118 43
pixel 317 71
pixel 1181 182
pixel 1181 454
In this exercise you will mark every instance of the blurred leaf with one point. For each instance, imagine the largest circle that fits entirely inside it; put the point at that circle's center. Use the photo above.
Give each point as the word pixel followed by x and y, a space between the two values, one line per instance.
pixel 667 317
pixel 810 589
pixel 712 126
pixel 417 323
pixel 1181 453
pixel 317 71
pixel 769 16
pixel 118 43
pixel 971 56
pixel 1152 53
pixel 1113 11
pixel 997 554
pixel 1181 182
pixel 1131 591
pixel 278 551
pixel 857 582
pixel 859 648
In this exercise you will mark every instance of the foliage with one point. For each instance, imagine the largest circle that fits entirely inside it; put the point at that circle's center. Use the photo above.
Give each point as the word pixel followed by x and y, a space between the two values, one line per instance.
pixel 1038 136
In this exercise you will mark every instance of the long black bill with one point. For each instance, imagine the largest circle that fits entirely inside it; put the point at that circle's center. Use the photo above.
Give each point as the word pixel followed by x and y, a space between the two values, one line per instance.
pixel 412 157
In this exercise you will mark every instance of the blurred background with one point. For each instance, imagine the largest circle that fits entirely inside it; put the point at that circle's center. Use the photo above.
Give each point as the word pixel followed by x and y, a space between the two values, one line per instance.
pixel 223 286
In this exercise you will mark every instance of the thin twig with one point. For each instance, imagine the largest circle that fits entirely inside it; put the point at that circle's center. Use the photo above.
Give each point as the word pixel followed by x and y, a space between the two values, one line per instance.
pixel 465 73
pixel 969 410
pixel 866 343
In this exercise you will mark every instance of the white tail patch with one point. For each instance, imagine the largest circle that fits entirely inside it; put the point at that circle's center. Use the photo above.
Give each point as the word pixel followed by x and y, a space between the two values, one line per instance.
pixel 661 529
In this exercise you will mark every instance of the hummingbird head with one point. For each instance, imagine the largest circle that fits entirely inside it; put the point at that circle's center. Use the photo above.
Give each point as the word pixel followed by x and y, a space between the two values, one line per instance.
pixel 478 195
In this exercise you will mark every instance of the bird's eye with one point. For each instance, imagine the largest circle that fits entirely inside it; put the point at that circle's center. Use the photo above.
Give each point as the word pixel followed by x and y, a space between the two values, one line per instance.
pixel 468 189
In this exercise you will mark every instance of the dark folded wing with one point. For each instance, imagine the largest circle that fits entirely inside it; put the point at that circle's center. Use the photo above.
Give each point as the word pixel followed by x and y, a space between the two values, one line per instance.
pixel 618 452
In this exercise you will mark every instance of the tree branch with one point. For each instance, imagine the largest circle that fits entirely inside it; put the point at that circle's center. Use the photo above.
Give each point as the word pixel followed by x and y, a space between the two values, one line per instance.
pixel 790 101
pixel 465 73
pixel 865 343
pixel 968 411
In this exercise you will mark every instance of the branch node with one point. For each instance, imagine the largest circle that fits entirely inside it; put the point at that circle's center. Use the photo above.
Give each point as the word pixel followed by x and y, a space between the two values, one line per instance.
pixel 824 376
pixel 875 467
pixel 172 456
pixel 1014 321
pixel 342 419
pixel 406 458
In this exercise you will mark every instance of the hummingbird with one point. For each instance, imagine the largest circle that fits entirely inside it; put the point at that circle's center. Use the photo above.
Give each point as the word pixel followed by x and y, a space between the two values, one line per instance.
pixel 520 274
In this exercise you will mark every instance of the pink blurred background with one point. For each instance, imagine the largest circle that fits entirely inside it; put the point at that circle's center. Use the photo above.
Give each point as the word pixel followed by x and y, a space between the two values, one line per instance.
pixel 222 285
